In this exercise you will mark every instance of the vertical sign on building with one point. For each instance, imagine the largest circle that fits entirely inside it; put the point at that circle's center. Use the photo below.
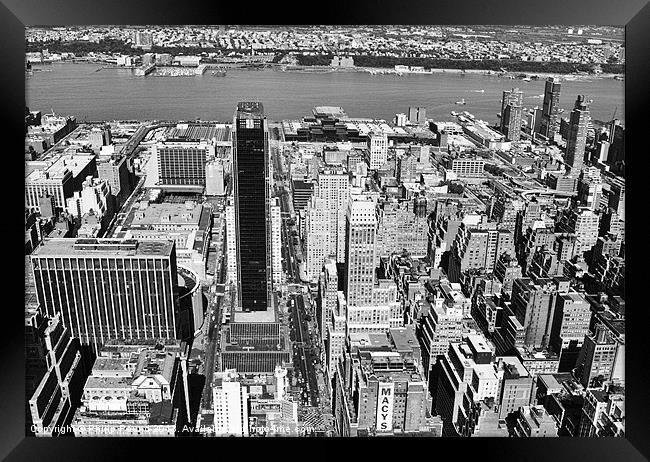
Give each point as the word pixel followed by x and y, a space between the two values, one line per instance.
pixel 385 407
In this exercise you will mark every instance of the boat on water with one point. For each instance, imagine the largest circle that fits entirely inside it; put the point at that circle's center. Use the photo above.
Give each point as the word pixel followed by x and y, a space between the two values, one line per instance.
pixel 618 77
pixel 461 102
pixel 479 91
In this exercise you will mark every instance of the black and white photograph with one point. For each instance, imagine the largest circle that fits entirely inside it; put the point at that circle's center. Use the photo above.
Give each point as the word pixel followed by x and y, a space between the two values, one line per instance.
pixel 294 231
pixel 325 231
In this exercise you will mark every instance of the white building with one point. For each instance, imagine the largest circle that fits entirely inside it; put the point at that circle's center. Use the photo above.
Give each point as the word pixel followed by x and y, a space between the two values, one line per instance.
pixel 586 228
pixel 276 242
pixel 94 195
pixel 400 119
pixel 215 184
pixel 231 242
pixel 378 148
pixel 230 400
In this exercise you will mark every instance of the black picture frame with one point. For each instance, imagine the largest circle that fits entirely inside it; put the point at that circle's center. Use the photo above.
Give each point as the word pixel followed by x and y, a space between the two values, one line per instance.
pixel 15 14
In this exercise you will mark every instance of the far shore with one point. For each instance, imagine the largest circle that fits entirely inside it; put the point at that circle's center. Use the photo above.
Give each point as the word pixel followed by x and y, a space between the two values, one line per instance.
pixel 373 70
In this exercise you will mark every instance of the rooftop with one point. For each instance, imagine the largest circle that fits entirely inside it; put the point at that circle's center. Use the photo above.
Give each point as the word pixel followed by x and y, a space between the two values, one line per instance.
pixel 74 163
pixel 104 247
pixel 168 214
pixel 250 110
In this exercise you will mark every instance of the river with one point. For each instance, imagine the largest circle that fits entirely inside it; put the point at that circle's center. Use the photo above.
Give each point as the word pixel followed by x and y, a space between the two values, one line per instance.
pixel 118 94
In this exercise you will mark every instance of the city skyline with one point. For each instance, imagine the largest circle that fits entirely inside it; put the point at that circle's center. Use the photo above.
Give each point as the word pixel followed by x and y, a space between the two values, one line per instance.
pixel 432 273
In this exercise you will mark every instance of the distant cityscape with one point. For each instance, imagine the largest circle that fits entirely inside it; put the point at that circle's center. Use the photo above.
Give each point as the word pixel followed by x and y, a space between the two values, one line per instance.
pixel 328 275
pixel 516 48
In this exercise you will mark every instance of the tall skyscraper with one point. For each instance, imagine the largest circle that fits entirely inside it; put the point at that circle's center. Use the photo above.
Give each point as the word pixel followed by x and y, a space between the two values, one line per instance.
pixel 251 192
pixel 511 120
pixel 333 187
pixel 550 124
pixel 361 231
pixel 577 139
pixel 514 96
pixel 318 234
pixel 110 289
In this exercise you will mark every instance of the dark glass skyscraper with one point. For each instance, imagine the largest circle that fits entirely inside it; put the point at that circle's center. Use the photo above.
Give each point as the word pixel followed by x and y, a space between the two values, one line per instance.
pixel 251 177
pixel 577 139
pixel 551 109
pixel 108 289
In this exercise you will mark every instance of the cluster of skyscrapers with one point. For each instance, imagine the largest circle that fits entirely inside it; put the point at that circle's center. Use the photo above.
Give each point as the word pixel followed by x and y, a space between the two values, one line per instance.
pixel 462 285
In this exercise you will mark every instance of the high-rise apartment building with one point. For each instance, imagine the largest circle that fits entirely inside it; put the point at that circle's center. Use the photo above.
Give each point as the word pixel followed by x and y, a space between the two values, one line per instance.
pixel 110 289
pixel 511 122
pixel 514 97
pixel 512 113
pixel 550 123
pixel 577 137
pixel 251 193
pixel 378 149
pixel 230 400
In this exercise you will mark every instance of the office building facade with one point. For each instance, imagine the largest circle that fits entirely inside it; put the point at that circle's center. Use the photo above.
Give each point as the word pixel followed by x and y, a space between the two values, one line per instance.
pixel 181 164
pixel 251 194
pixel 110 289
